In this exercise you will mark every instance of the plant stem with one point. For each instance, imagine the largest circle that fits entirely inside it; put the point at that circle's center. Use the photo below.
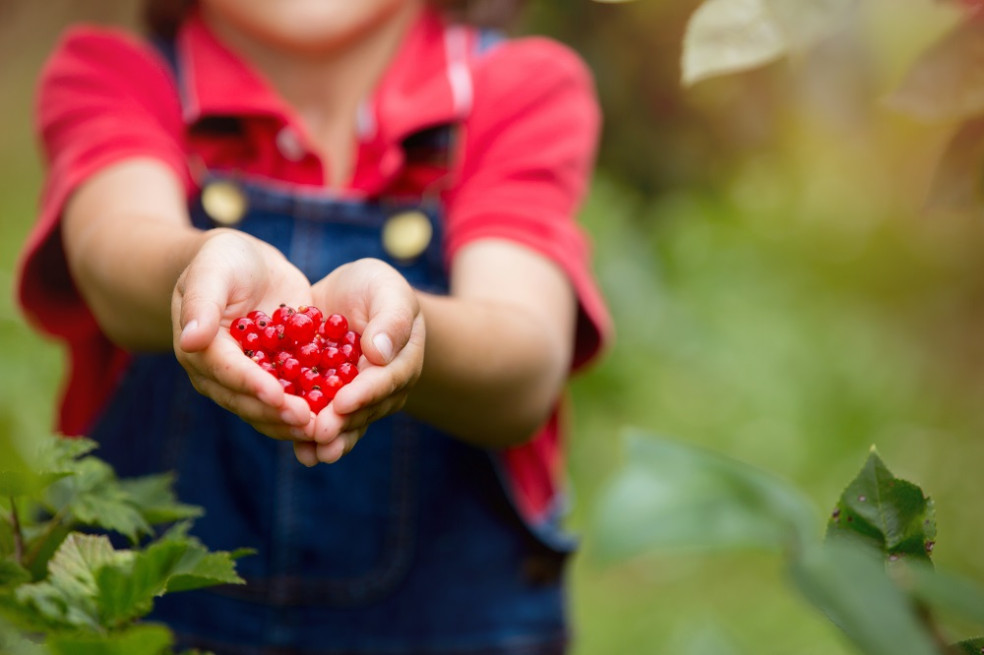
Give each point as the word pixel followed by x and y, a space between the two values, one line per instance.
pixel 935 630
pixel 18 533
pixel 49 528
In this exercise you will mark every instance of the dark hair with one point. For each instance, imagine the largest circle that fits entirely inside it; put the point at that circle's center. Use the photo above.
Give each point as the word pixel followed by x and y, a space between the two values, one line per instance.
pixel 162 17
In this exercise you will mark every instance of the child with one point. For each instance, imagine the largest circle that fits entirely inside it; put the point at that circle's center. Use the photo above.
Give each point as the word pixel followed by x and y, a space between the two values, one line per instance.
pixel 371 158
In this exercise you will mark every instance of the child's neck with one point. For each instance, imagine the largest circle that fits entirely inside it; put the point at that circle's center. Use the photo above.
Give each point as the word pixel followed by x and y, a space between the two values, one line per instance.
pixel 325 87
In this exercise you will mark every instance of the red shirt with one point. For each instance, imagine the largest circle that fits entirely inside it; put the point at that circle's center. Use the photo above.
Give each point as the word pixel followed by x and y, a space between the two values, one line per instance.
pixel 531 123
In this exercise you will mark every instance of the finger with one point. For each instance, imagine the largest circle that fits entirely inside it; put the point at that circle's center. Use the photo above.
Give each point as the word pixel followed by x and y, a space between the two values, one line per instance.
pixel 330 453
pixel 292 412
pixel 328 425
pixel 306 453
pixel 225 364
pixel 283 432
pixel 373 384
pixel 199 300
pixel 392 321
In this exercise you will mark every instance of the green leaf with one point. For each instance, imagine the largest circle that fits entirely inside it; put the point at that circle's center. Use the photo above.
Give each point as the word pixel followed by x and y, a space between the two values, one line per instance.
pixel 144 639
pixel 14 642
pixel 943 591
pixel 68 596
pixel 200 568
pixel 971 646
pixel 94 497
pixel 126 589
pixel 154 498
pixel 671 495
pixel 847 581
pixel 889 513
pixel 12 574
pixel 727 36
pixel 946 83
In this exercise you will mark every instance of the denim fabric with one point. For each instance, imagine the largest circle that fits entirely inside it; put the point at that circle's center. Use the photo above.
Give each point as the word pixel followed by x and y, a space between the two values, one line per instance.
pixel 407 545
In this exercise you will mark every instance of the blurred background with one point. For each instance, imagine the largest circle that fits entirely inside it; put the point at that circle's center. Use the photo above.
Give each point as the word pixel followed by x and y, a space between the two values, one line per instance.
pixel 781 296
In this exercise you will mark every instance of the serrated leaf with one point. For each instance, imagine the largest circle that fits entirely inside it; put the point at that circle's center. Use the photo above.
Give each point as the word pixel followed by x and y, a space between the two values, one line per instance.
pixel 958 177
pixel 60 453
pixel 67 596
pixel 200 568
pixel 971 646
pixel 126 589
pixel 946 83
pixel 891 514
pixel 154 498
pixel 728 36
pixel 143 639
pixel 94 497
pixel 847 582
pixel 26 483
pixel 671 495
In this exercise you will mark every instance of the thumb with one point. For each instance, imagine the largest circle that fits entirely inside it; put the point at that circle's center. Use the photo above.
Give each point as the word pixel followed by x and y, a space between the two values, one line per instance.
pixel 197 306
pixel 393 313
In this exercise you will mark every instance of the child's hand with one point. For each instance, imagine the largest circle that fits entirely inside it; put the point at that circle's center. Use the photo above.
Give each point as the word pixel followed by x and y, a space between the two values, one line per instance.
pixel 231 275
pixel 381 305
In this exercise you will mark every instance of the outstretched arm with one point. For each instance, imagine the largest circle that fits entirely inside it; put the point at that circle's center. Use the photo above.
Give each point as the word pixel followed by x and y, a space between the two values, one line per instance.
pixel 154 282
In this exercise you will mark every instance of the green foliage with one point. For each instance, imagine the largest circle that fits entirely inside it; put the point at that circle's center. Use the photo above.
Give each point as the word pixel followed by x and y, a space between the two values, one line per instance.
pixel 871 575
pixel 673 496
pixel 891 514
pixel 65 590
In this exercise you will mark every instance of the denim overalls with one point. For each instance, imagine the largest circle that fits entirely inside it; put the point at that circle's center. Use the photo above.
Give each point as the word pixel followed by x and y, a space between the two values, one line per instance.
pixel 409 544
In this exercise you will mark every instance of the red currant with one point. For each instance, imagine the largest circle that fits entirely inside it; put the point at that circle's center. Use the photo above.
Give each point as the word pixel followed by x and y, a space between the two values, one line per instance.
pixel 313 312
pixel 299 328
pixel 308 354
pixel 259 318
pixel 335 327
pixel 281 314
pixel 332 357
pixel 289 369
pixel 316 399
pixel 347 372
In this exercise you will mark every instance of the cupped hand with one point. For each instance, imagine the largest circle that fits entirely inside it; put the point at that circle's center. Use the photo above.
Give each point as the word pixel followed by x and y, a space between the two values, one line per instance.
pixel 381 305
pixel 231 275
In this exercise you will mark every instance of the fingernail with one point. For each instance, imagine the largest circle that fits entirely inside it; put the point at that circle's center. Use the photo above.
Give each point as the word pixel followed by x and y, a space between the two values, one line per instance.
pixel 384 345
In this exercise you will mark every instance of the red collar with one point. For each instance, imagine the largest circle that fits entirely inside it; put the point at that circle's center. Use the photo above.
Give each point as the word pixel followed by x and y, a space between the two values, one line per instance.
pixel 416 91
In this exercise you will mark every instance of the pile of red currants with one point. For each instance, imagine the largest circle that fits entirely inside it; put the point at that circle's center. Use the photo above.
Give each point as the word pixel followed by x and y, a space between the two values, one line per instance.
pixel 312 355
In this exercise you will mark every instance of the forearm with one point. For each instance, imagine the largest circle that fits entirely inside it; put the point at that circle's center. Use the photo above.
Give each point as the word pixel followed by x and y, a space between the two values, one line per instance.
pixel 498 350
pixel 127 285
pixel 127 239
pixel 490 377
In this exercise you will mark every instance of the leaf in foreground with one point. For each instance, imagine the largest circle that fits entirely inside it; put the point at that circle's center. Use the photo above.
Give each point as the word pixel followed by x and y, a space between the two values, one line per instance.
pixel 943 591
pixel 671 495
pixel 846 580
pixel 67 596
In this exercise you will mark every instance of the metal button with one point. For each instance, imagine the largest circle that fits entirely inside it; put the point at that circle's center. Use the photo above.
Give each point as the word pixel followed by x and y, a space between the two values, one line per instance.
pixel 224 202
pixel 407 234
pixel 289 144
